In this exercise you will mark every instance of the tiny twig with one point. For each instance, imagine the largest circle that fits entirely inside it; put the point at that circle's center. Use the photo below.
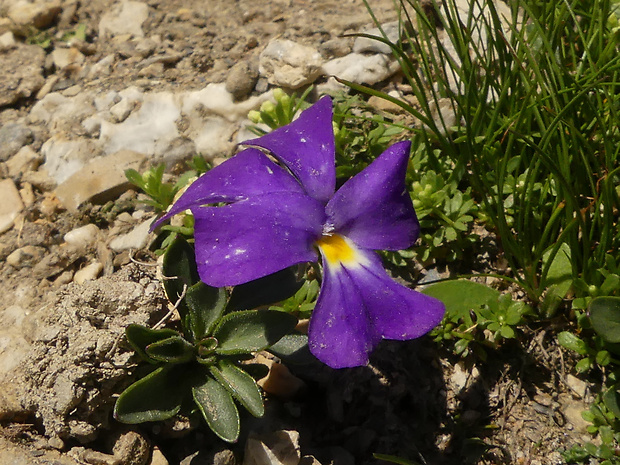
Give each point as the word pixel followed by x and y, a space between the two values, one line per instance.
pixel 138 262
pixel 161 322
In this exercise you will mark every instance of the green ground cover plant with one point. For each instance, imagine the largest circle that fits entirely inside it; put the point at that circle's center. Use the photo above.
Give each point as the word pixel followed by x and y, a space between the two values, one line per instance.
pixel 517 135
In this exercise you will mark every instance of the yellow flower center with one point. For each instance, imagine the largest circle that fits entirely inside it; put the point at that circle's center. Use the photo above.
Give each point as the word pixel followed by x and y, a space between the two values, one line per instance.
pixel 336 250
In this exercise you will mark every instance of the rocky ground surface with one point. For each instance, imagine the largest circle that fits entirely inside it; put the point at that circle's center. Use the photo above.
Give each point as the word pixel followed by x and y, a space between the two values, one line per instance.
pixel 91 88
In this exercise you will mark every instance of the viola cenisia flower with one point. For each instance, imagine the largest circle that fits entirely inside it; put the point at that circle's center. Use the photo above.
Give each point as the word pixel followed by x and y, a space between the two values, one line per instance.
pixel 254 217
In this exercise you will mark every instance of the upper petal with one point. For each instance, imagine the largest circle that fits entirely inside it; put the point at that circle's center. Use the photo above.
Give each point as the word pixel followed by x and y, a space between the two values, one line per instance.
pixel 307 147
pixel 359 304
pixel 253 238
pixel 374 208
pixel 247 174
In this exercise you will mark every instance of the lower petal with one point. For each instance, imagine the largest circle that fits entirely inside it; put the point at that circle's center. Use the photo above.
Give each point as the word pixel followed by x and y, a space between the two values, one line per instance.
pixel 360 304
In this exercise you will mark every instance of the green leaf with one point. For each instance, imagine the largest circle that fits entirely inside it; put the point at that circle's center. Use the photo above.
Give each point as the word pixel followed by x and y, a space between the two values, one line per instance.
pixel 572 342
pixel 583 365
pixel 461 296
pixel 293 349
pixel 175 349
pixel 507 332
pixel 206 306
pixel 180 272
pixel 241 385
pixel 611 399
pixel 140 337
pixel 251 330
pixel 157 396
pixel 265 291
pixel 218 409
pixel 604 314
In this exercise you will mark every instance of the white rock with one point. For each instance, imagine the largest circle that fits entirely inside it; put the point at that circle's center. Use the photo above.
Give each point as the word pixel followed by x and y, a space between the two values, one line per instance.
pixel 7 41
pixel 64 57
pixel 103 67
pixel 288 64
pixel 26 256
pixel 578 386
pixel 11 205
pixel 13 349
pixel 216 100
pixel 62 113
pixel 364 44
pixel 148 130
pixel 83 236
pixel 362 69
pixel 64 157
pixel 124 18
pixel 136 239
pixel 122 109
pixel 25 159
pixel 88 273
pixel 104 102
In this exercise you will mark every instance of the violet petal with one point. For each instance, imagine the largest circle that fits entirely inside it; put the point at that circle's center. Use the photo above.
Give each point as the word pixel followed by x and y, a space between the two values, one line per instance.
pixel 247 174
pixel 307 147
pixel 374 208
pixel 253 238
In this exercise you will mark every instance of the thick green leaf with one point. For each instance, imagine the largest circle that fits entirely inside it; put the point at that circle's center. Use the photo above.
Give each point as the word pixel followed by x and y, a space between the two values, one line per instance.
pixel 140 337
pixel 461 296
pixel 180 271
pixel 293 348
pixel 611 399
pixel 265 291
pixel 605 317
pixel 206 305
pixel 241 385
pixel 559 278
pixel 157 396
pixel 572 342
pixel 251 330
pixel 218 409
pixel 175 349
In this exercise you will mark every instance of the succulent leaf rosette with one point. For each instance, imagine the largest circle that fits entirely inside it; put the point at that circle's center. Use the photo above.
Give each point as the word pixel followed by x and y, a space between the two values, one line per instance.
pixel 255 216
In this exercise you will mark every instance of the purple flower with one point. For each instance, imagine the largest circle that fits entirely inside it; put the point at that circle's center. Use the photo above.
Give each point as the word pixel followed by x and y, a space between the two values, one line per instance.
pixel 275 215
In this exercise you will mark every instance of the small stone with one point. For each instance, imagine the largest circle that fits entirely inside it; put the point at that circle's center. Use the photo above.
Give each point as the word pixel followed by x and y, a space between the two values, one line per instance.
pixel 392 32
pixel 82 237
pixel 278 448
pixel 572 413
pixel 362 69
pixel 131 448
pixel 241 80
pixel 279 381
pixel 11 205
pixel 135 239
pixel 335 48
pixel 124 18
pixel 88 273
pixel 25 159
pixel 26 257
pixel 7 41
pixel 65 57
pixel 157 458
pixel 288 64
pixel 27 194
pixel 39 179
pixel 577 386
pixel 13 136
pixel 101 180
pixel 122 109
pixel 94 457
pixel 37 14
